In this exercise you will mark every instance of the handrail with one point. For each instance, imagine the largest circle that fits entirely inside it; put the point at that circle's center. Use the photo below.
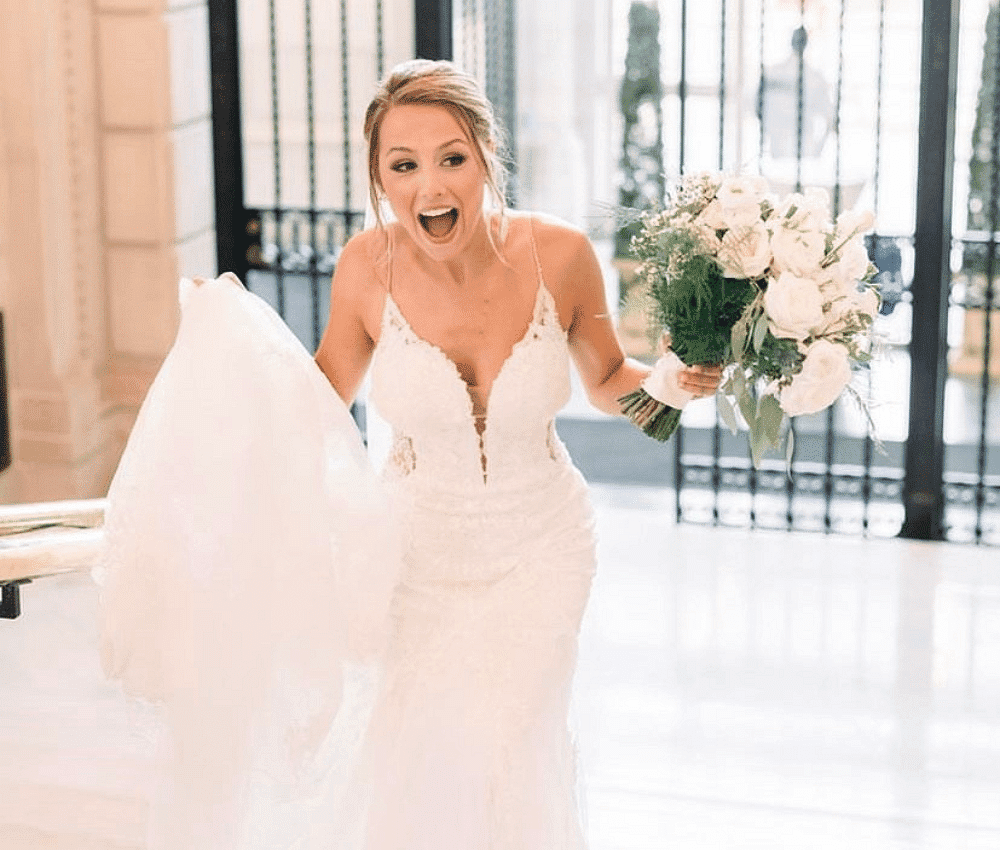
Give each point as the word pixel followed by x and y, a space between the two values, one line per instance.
pixel 49 538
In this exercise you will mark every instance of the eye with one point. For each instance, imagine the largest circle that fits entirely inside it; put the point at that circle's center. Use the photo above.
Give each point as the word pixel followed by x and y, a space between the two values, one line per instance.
pixel 402 166
pixel 454 160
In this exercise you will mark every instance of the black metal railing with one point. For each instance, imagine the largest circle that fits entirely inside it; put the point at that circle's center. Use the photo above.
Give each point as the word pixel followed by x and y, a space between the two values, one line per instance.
pixel 774 98
pixel 285 211
pixel 916 482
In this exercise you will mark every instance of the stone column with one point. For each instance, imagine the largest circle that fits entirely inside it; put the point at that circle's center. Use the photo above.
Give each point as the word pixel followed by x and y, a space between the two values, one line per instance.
pixel 51 250
pixel 156 165
pixel 105 199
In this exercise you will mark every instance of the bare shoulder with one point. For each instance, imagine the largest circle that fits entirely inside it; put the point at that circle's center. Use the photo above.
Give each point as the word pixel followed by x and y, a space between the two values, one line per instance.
pixel 560 244
pixel 569 265
pixel 359 280
pixel 363 255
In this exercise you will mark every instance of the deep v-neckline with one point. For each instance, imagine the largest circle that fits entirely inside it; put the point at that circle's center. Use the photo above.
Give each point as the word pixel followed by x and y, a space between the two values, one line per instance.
pixel 529 333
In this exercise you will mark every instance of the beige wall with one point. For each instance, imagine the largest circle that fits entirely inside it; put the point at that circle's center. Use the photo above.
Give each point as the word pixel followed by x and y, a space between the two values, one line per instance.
pixel 102 104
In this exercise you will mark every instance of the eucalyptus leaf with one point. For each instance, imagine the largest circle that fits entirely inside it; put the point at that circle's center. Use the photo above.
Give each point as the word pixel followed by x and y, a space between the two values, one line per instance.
pixel 756 446
pixel 739 339
pixel 727 412
pixel 748 407
pixel 760 331
pixel 738 381
pixel 772 417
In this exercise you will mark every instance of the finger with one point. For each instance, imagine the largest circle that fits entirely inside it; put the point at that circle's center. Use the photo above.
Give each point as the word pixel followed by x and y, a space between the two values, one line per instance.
pixel 707 370
pixel 709 378
pixel 697 387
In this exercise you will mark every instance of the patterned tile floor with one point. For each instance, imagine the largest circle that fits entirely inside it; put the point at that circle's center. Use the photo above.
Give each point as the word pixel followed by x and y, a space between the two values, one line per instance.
pixel 736 690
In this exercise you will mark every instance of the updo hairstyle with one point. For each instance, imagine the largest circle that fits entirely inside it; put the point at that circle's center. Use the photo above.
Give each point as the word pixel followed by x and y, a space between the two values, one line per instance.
pixel 438 83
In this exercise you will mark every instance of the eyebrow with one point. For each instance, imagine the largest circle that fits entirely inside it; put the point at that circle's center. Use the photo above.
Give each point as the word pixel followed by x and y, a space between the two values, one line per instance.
pixel 401 149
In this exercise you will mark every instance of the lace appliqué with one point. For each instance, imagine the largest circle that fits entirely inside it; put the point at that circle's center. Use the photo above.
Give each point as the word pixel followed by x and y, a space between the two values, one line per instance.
pixel 553 442
pixel 423 394
pixel 402 457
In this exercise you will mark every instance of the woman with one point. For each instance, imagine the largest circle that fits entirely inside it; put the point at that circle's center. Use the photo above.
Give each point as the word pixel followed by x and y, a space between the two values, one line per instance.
pixel 467 316
pixel 362 664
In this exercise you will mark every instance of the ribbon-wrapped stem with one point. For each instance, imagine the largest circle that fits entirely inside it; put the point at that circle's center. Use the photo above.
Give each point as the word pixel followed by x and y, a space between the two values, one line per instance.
pixel 654 418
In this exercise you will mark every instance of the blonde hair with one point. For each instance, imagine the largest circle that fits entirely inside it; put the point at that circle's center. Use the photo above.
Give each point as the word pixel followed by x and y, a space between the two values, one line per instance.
pixel 438 83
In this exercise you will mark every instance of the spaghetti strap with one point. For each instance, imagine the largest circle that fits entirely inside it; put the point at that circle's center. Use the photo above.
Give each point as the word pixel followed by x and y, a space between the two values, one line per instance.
pixel 387 304
pixel 388 260
pixel 534 250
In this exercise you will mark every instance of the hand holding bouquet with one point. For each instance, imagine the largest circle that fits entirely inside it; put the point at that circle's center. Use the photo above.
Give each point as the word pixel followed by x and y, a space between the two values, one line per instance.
pixel 770 288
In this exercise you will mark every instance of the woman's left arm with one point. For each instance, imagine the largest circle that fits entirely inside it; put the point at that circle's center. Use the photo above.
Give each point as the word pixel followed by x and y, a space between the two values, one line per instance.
pixel 569 262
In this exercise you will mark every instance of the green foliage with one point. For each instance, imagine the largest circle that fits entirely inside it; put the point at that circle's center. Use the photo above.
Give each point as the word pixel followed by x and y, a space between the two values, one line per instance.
pixel 777 357
pixel 982 212
pixel 773 357
pixel 642 182
pixel 981 163
pixel 691 296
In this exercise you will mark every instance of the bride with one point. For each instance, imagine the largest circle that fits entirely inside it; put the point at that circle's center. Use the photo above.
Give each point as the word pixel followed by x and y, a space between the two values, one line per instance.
pixel 466 315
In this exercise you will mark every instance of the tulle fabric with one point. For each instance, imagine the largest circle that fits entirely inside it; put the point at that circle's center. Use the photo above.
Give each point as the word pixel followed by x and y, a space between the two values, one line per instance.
pixel 350 661
pixel 250 560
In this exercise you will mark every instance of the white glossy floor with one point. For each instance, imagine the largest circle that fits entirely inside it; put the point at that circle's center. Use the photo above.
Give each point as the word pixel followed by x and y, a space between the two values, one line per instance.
pixel 736 690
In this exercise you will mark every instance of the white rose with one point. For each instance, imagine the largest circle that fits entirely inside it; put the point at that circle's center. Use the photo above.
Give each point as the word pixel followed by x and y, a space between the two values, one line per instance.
pixel 817 207
pixel 746 251
pixel 739 200
pixel 712 216
pixel 794 306
pixel 706 236
pixel 849 303
pixel 826 370
pixel 798 251
pixel 853 261
pixel 867 301
pixel 851 223
pixel 806 211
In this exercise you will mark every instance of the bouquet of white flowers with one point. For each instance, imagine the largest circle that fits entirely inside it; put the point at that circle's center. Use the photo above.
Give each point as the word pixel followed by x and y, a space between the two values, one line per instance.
pixel 772 288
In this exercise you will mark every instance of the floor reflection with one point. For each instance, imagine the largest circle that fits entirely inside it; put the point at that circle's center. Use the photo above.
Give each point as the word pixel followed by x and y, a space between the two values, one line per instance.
pixel 736 690
pixel 765 690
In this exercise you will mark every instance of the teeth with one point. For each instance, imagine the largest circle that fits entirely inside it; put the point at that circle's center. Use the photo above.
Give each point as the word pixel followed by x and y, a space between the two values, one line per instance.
pixel 433 213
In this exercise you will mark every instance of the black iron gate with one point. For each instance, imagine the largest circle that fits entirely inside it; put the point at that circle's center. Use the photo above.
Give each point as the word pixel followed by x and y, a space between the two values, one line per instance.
pixel 917 483
pixel 921 486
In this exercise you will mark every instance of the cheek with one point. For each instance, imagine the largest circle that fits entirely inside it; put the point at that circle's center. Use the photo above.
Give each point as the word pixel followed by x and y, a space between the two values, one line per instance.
pixel 394 189
pixel 474 185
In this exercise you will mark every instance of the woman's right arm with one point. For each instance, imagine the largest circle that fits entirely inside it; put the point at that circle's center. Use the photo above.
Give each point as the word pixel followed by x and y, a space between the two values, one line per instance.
pixel 347 345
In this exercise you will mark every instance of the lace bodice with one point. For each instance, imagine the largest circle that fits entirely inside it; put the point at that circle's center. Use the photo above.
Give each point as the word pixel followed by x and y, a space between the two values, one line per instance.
pixel 437 442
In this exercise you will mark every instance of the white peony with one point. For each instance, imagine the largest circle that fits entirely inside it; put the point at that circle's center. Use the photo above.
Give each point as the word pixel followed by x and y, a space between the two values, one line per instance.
pixel 746 251
pixel 739 200
pixel 794 306
pixel 798 251
pixel 826 370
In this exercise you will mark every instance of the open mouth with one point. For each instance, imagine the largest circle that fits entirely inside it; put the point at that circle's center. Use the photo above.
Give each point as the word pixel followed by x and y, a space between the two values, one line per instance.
pixel 439 223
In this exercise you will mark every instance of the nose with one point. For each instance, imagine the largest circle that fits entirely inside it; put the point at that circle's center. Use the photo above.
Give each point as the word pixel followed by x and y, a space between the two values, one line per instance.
pixel 430 183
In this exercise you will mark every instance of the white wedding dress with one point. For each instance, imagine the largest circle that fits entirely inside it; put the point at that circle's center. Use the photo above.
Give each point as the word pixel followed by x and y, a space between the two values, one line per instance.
pixel 397 676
